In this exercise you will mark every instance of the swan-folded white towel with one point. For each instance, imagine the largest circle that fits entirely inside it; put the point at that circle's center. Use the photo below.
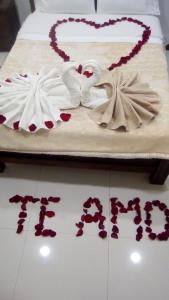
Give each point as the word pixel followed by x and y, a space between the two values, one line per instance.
pixel 33 101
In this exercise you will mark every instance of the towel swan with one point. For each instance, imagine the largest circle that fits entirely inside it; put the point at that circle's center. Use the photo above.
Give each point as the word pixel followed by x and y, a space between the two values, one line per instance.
pixel 92 96
pixel 66 91
pixel 34 101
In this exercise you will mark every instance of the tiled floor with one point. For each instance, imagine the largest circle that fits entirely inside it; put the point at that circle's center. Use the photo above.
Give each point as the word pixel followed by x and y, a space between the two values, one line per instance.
pixel 67 267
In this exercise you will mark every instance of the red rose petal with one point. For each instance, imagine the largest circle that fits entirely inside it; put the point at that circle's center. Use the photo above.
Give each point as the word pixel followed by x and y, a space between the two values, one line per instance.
pixel 102 218
pixel 54 199
pixel 162 206
pixel 43 208
pixel 115 229
pixel 21 221
pixel 88 74
pixel 130 203
pixel 49 124
pixel 80 232
pixel 148 217
pixel 166 212
pixel 95 218
pixel 22 215
pixel 88 218
pixel 38 232
pixel 114 219
pixel 16 125
pixel 137 220
pixel 2 119
pixel 15 199
pixel 123 210
pixel 35 200
pixel 50 214
pixel 101 226
pixel 46 232
pixel 148 222
pixel 163 236
pixel 80 225
pixel 19 229
pixel 32 127
pixel 148 206
pixel 83 218
pixel 114 235
pixel 103 234
pixel 139 237
pixel 24 201
pixel 28 199
pixel 44 201
pixel 152 236
pixel 136 200
pixel 114 210
pixel 140 229
pixel 52 233
pixel 166 226
pixel 65 117
pixel 119 204
pixel 87 204
pixel 23 206
pixel 148 229
pixel 156 202
pixel 39 226
pixel 113 200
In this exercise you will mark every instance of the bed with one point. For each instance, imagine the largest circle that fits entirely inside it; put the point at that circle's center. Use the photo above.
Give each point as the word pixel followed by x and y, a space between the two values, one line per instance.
pixel 81 143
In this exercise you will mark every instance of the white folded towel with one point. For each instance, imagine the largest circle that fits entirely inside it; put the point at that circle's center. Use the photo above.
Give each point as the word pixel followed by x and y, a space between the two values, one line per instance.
pixel 33 101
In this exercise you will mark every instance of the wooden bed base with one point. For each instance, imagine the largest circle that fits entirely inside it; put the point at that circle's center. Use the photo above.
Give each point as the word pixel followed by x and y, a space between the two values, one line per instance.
pixel 158 169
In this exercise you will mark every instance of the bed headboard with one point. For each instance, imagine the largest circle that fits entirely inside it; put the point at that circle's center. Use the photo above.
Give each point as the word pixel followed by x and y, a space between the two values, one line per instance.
pixel 32 4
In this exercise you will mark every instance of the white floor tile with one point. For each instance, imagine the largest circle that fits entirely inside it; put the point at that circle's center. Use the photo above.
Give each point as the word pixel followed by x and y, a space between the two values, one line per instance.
pixel 11 249
pixel 20 180
pixel 146 279
pixel 75 269
pixel 74 186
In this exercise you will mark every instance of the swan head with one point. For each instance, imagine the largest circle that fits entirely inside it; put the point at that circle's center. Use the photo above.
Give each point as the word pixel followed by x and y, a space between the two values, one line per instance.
pixel 94 66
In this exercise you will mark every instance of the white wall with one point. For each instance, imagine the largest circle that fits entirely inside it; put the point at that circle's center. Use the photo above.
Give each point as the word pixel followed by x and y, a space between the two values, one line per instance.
pixel 164 18
pixel 23 9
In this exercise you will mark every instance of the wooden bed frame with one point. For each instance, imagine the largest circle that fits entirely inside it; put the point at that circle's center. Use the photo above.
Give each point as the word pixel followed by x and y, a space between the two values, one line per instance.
pixel 158 169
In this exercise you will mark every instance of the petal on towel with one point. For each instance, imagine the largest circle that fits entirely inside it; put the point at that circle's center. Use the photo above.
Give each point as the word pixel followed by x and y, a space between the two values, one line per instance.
pixel 131 103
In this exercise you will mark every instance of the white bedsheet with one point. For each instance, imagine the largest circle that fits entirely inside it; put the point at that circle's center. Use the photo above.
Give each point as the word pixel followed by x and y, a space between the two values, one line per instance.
pixel 37 26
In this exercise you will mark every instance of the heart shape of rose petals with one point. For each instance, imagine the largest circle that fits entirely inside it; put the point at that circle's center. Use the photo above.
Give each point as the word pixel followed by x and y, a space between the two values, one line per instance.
pixel 111 22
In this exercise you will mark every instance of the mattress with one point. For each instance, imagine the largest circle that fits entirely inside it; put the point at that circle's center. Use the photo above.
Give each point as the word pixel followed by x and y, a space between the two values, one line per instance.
pixel 81 136
pixel 37 26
